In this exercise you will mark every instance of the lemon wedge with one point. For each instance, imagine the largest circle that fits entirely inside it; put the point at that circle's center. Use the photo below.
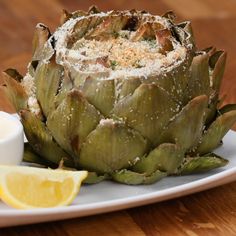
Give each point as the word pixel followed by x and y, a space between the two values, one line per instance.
pixel 25 187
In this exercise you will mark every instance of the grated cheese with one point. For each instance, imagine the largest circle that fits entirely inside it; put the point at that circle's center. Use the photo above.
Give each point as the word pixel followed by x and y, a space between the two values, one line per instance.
pixel 30 89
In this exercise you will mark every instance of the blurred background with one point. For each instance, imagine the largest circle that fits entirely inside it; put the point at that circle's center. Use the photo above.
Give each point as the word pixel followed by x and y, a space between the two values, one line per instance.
pixel 214 23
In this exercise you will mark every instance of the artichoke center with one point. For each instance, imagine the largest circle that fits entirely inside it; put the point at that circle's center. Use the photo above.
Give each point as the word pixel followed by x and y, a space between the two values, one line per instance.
pixel 115 50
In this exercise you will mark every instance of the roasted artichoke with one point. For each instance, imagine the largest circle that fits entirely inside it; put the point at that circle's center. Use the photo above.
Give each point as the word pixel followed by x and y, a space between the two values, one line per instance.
pixel 123 94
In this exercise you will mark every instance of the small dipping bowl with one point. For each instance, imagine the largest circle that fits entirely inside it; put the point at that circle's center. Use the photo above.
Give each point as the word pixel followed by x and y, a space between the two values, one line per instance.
pixel 11 140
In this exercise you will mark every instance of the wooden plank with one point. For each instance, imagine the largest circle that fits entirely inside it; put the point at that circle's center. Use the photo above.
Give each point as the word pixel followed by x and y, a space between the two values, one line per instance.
pixel 211 212
pixel 115 224
pixel 156 7
pixel 203 9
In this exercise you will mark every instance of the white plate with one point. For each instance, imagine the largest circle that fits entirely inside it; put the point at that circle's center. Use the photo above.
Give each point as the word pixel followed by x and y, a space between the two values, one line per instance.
pixel 108 196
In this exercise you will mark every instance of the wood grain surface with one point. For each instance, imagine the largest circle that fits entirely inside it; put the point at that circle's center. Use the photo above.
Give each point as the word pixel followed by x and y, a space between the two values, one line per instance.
pixel 211 212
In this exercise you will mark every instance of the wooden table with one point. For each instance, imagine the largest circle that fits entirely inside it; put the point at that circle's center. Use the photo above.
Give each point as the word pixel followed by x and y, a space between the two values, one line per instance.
pixel 211 212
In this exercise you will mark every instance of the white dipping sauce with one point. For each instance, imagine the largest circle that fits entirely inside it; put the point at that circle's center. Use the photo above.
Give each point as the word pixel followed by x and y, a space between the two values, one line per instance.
pixel 7 127
pixel 11 140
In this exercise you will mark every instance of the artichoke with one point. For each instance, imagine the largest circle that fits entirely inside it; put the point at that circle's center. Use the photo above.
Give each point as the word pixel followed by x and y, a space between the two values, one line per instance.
pixel 123 94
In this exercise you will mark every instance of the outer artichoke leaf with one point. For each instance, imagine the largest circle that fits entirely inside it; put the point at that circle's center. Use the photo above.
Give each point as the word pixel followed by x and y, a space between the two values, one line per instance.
pixel 148 110
pixel 173 82
pixel 146 31
pixel 41 140
pixel 211 110
pixel 200 164
pixel 227 108
pixel 217 64
pixel 47 80
pixel 210 50
pixel 154 177
pixel 93 10
pixel 72 121
pixel 186 127
pixel 65 16
pixel 217 130
pixel 166 157
pixel 133 178
pixel 32 68
pixel 65 86
pixel 126 86
pixel 214 56
pixel 180 77
pixel 100 93
pixel 218 61
pixel 111 146
pixel 41 36
pixel 31 157
pixel 82 27
pixel 164 40
pixel 180 74
pixel 188 28
pixel 14 90
pixel 169 15
pixel 199 81
pixel 79 77
pixel 94 178
pixel 108 27
pixel 13 73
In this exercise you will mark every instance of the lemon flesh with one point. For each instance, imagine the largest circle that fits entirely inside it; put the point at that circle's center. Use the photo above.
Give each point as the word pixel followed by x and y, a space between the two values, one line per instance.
pixel 28 187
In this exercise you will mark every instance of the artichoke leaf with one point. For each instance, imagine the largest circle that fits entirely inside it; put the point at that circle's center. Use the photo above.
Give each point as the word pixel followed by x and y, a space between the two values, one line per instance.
pixel 41 35
pixel 186 127
pixel 147 110
pixel 217 62
pixel 210 50
pixel 13 73
pixel 199 81
pixel 200 164
pixel 108 28
pixel 170 15
pixel 216 131
pixel 100 93
pixel 32 68
pixel 65 16
pixel 82 27
pixel 111 146
pixel 146 31
pixel 163 38
pixel 133 178
pixel 125 87
pixel 174 82
pixel 72 121
pixel 167 157
pixel 93 10
pixel 48 77
pixel 41 140
pixel 31 157
pixel 94 178
pixel 14 90
pixel 189 40
pixel 211 110
pixel 65 86
pixel 227 108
